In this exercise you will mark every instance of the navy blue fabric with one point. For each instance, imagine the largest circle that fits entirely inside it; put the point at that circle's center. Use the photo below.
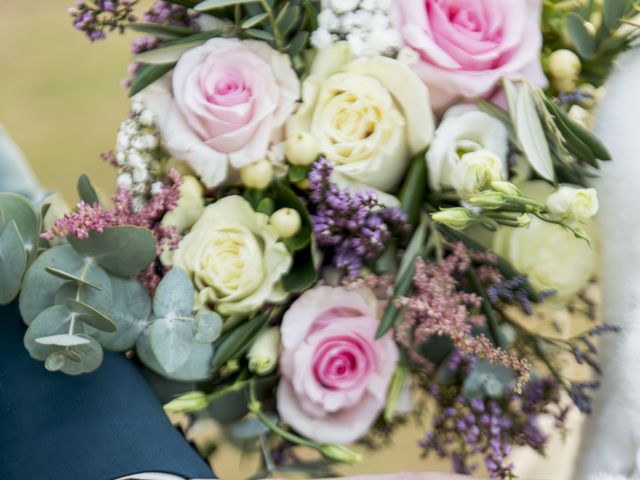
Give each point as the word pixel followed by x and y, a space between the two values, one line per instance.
pixel 96 426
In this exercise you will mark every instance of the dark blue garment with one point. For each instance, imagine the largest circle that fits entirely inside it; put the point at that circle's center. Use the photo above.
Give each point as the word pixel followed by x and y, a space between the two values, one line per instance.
pixel 95 426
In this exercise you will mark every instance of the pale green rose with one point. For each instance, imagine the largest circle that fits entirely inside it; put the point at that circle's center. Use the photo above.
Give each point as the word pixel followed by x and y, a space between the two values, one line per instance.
pixel 476 171
pixel 551 256
pixel 234 258
pixel 370 116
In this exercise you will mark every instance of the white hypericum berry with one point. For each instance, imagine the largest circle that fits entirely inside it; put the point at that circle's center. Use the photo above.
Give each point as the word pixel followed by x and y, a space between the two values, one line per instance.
pixel 257 175
pixel 147 118
pixel 322 38
pixel 286 221
pixel 150 141
pixel 343 6
pixel 124 180
pixel 302 148
pixel 156 188
pixel 140 175
pixel 564 64
pixel 328 20
pixel 137 107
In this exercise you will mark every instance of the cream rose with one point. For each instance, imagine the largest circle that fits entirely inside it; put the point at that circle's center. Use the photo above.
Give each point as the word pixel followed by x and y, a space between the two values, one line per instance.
pixel 370 116
pixel 234 258
pixel 552 257
pixel 463 129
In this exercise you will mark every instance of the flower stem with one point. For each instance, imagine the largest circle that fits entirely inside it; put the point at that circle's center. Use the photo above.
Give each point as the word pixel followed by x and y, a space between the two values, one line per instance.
pixel 272 22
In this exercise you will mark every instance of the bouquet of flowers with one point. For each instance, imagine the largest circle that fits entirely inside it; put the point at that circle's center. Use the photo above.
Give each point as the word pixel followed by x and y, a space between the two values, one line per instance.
pixel 334 216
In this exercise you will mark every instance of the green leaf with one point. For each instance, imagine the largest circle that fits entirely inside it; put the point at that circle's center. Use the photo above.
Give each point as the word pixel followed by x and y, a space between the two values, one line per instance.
pixel 254 20
pixel 171 52
pixel 39 287
pixel 266 206
pixel 260 34
pixel 584 42
pixel 214 4
pixel 239 340
pixel 287 18
pixel 414 189
pixel 99 296
pixel 402 288
pixel 90 315
pixel 62 340
pixel 123 250
pixel 51 321
pixel 163 32
pixel 171 342
pixel 407 266
pixel 86 191
pixel 17 208
pixel 207 327
pixel 175 295
pixel 147 74
pixel 613 11
pixel 297 44
pixel 298 172
pixel 83 358
pixel 55 361
pixel 70 277
pixel 531 135
pixel 13 262
pixel 304 272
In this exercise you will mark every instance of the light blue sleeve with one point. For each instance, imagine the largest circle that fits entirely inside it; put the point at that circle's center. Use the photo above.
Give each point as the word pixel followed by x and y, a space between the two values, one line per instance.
pixel 15 173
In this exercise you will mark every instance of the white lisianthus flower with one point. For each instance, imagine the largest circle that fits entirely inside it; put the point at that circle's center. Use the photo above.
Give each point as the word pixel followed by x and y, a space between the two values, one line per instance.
pixel 476 171
pixel 263 354
pixel 551 256
pixel 571 203
pixel 369 115
pixel 463 129
pixel 189 208
pixel 234 258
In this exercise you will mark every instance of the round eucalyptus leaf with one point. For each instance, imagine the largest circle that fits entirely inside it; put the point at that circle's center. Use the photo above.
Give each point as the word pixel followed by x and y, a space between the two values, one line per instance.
pixel 130 312
pixel 207 327
pixel 196 368
pixel 249 428
pixel 123 250
pixel 90 315
pixel 55 361
pixel 39 287
pixel 71 355
pixel 175 295
pixel 90 357
pixel 62 340
pixel 13 262
pixel 52 321
pixel 71 277
pixel 171 342
pixel 98 299
pixel 17 208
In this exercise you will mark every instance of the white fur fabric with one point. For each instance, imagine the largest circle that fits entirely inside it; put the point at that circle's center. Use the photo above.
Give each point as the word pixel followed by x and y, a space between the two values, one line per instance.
pixel 611 441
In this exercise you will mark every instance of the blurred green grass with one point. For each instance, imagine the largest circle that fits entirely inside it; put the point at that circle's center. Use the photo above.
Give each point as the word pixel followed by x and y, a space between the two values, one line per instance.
pixel 60 95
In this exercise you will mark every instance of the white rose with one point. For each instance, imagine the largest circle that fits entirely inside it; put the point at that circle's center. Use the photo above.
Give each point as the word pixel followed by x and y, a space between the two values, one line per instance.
pixel 475 172
pixel 463 129
pixel 370 116
pixel 571 203
pixel 189 208
pixel 234 258
pixel 552 257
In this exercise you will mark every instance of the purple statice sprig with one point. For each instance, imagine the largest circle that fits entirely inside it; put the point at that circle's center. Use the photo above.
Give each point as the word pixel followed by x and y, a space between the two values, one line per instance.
pixel 515 290
pixel 354 224
pixel 465 429
pixel 96 18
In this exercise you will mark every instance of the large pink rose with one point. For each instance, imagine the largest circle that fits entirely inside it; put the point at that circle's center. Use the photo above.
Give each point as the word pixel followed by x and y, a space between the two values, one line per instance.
pixel 467 46
pixel 335 374
pixel 225 103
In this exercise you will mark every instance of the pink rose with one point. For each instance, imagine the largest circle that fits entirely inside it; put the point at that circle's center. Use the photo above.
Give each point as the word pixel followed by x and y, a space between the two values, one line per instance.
pixel 465 47
pixel 335 374
pixel 226 103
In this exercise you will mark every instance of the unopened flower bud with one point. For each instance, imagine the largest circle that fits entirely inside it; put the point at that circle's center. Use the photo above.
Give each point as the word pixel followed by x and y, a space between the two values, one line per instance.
pixel 524 220
pixel 579 204
pixel 189 402
pixel 507 188
pixel 339 453
pixel 457 217
pixel 189 208
pixel 263 354
pixel 564 64
pixel 476 171
pixel 302 149
pixel 286 221
pixel 488 198
pixel 257 175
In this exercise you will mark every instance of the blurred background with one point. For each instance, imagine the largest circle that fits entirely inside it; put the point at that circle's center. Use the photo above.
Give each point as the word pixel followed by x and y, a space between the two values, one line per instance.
pixel 62 101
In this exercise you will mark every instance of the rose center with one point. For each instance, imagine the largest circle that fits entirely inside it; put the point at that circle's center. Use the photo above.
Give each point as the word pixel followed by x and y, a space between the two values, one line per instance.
pixel 341 363
pixel 229 90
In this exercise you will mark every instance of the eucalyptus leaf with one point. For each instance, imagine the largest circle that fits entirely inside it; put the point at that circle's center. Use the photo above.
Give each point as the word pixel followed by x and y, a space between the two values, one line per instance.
pixel 62 340
pixel 17 208
pixel 39 287
pixel 90 315
pixel 123 250
pixel 13 262
pixel 196 368
pixel 147 74
pixel 531 135
pixel 171 342
pixel 90 357
pixel 55 361
pixel 175 295
pixel 54 320
pixel 70 277
pixel 86 191
pixel 207 327
pixel 99 298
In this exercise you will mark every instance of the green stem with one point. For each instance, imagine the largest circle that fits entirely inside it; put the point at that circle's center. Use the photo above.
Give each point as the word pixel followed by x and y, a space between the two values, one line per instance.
pixel 272 22
pixel 240 383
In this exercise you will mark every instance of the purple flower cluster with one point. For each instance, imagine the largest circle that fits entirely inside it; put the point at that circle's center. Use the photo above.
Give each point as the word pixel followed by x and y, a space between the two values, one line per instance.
pixel 170 14
pixel 354 224
pixel 98 17
pixel 465 428
pixel 515 290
